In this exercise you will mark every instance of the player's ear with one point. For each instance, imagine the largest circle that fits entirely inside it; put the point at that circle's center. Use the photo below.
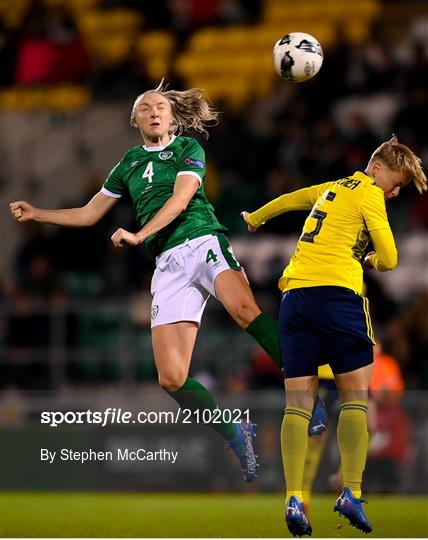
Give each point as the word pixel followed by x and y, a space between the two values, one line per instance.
pixel 376 167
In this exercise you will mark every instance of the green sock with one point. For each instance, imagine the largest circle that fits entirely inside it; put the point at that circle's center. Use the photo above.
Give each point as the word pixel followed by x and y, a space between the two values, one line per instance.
pixel 192 395
pixel 266 332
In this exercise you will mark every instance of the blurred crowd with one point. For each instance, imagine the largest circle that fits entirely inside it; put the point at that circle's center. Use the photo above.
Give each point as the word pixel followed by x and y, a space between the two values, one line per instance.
pixel 47 46
pixel 296 136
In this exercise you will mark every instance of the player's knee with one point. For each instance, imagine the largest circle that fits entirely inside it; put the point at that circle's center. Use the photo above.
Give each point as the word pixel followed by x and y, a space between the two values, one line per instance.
pixel 171 382
pixel 300 399
pixel 245 312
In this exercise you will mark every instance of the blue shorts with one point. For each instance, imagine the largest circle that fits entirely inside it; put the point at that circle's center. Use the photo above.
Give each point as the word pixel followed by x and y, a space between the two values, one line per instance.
pixel 324 325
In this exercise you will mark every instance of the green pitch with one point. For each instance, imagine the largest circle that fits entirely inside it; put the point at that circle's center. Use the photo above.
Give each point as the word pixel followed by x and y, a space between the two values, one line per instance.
pixel 205 515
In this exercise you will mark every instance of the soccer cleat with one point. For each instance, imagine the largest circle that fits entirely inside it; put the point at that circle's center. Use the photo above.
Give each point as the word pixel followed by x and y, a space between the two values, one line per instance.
pixel 307 510
pixel 242 446
pixel 349 507
pixel 297 522
pixel 319 421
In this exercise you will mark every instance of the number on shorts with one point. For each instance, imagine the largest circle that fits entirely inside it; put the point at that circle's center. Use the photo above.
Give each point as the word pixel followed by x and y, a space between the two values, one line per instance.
pixel 211 256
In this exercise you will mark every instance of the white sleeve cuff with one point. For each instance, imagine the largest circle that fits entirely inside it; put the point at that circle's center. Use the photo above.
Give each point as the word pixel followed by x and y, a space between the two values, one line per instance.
pixel 191 173
pixel 110 193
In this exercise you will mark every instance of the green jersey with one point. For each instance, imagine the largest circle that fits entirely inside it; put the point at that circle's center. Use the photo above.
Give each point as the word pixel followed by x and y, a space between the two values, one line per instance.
pixel 148 174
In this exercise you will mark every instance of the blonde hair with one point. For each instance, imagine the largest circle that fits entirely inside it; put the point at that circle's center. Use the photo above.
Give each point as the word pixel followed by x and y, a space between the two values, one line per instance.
pixel 399 157
pixel 190 109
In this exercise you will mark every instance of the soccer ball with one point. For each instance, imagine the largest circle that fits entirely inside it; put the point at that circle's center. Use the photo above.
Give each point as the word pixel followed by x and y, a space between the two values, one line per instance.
pixel 297 57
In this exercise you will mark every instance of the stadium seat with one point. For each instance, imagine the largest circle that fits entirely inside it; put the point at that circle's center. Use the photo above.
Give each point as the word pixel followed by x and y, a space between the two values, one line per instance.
pixel 80 5
pixel 110 34
pixel 109 22
pixel 68 98
pixel 321 18
pixel 13 11
pixel 240 52
pixel 154 50
pixel 155 43
pixel 63 98
pixel 110 50
pixel 329 9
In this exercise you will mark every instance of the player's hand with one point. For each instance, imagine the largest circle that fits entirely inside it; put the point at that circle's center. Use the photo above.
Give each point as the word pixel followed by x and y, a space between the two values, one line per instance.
pixel 367 264
pixel 244 215
pixel 22 211
pixel 122 237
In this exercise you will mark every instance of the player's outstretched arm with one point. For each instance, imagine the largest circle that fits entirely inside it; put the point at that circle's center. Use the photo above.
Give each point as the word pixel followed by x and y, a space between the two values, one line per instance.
pixel 84 216
pixel 302 199
pixel 184 189
pixel 385 256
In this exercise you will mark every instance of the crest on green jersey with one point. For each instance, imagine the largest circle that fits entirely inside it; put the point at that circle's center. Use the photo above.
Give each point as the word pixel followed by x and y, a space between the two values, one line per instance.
pixel 165 155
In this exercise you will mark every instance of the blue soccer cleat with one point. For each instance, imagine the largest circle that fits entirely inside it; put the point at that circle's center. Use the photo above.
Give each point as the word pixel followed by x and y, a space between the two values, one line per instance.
pixel 297 522
pixel 319 421
pixel 349 507
pixel 242 446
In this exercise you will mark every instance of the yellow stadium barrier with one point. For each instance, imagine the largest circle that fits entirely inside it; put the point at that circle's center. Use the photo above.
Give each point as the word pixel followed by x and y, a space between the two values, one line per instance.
pixel 61 98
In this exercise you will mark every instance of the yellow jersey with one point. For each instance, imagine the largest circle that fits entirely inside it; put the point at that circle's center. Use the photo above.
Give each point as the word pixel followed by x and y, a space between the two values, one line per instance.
pixel 345 215
pixel 325 372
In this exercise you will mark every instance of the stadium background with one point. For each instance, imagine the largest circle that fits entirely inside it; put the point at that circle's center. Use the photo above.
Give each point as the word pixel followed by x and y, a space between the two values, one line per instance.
pixel 74 323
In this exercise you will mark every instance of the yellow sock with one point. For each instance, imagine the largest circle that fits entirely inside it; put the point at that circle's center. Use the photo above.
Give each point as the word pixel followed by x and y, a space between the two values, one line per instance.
pixel 294 442
pixel 353 440
pixel 313 456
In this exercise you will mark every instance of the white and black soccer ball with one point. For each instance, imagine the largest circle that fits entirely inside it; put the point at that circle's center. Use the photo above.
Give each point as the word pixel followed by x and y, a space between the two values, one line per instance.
pixel 297 57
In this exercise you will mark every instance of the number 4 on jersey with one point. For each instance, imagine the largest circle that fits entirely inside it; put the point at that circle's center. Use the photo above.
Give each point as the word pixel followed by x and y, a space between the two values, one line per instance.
pixel 148 173
pixel 211 256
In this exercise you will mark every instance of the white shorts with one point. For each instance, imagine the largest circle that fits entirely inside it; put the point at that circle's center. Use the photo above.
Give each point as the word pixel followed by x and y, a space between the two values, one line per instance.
pixel 184 278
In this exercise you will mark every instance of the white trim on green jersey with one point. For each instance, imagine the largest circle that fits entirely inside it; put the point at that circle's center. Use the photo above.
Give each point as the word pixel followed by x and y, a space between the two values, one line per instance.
pixel 148 175
pixel 190 173
pixel 110 193
pixel 157 148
